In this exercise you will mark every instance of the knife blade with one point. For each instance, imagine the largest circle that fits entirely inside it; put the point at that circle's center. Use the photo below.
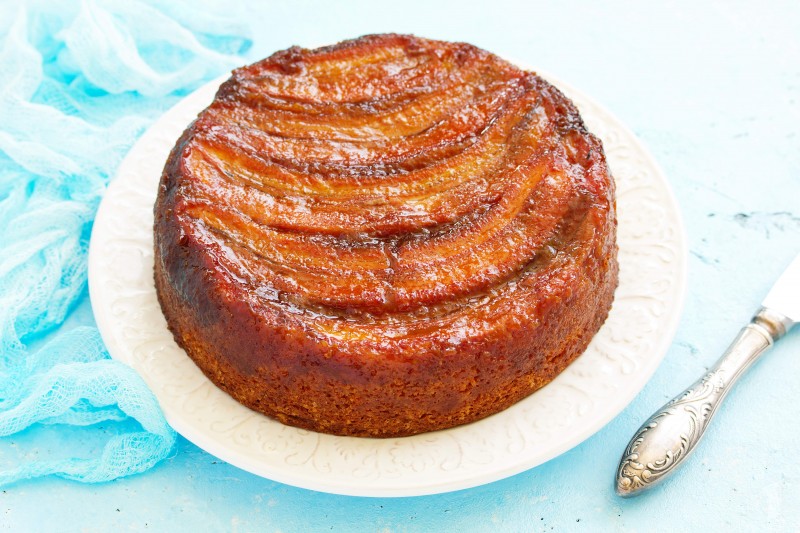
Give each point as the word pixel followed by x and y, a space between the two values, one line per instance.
pixel 784 297
pixel 670 435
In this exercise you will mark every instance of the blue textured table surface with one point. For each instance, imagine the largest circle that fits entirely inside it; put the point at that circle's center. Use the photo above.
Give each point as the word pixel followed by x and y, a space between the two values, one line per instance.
pixel 713 90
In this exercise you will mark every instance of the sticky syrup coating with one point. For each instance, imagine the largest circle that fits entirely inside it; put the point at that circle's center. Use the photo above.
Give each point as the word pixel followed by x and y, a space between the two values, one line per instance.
pixel 384 237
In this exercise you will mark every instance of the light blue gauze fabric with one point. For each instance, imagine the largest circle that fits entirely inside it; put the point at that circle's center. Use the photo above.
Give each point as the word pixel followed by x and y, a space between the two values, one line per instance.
pixel 80 82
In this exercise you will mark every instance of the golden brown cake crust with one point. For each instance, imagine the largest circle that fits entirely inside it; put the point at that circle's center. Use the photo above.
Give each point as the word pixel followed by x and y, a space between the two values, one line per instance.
pixel 384 237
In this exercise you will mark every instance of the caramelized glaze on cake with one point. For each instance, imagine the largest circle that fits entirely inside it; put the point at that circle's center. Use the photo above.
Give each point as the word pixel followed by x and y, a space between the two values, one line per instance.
pixel 384 237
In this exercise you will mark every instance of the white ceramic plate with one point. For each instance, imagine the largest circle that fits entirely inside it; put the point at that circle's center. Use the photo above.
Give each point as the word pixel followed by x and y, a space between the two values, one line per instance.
pixel 592 391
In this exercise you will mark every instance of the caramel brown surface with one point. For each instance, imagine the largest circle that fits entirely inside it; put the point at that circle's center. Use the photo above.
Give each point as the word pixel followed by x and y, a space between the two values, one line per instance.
pixel 386 236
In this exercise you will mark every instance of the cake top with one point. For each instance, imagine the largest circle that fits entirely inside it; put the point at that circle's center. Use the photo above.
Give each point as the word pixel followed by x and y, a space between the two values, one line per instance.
pixel 387 179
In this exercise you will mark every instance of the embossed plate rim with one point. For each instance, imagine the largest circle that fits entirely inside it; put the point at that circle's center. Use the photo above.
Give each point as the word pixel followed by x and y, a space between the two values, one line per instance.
pixel 136 334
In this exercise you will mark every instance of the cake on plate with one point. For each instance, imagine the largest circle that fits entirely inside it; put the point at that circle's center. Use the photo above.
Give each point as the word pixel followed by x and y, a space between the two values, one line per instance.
pixel 384 237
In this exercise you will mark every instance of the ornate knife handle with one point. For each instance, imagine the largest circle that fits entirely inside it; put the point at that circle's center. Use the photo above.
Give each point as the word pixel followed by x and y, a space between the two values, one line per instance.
pixel 670 435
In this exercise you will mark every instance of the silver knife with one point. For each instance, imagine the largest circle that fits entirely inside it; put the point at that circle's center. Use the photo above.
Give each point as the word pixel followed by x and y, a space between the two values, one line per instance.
pixel 671 434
